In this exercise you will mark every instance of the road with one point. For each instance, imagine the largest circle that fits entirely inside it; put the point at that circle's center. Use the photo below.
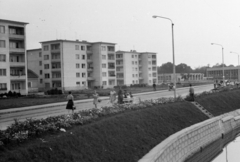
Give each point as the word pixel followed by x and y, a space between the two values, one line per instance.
pixel 6 118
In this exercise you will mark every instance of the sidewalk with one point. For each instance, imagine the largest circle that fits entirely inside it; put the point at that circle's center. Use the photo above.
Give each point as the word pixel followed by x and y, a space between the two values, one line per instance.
pixel 11 110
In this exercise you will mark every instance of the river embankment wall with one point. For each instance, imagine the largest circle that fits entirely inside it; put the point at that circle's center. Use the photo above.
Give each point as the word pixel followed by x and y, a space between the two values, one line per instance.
pixel 211 134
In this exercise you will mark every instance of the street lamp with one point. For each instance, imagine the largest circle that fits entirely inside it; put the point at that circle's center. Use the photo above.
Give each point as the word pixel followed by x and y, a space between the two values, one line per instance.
pixel 174 71
pixel 238 56
pixel 222 60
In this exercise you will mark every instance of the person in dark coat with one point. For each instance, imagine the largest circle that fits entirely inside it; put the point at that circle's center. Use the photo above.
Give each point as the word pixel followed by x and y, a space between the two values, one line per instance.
pixel 120 96
pixel 70 103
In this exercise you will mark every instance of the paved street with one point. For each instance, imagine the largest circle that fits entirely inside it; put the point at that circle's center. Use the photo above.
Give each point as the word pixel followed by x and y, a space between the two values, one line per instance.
pixel 6 117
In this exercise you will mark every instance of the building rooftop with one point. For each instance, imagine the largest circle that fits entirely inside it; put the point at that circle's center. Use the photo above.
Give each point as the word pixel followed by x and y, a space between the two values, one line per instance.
pixel 134 51
pixel 225 68
pixel 76 41
pixel 10 21
pixel 37 49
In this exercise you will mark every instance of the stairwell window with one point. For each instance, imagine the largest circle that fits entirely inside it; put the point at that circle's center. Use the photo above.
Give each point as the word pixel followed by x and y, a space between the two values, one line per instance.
pixel 83 48
pixel 47 75
pixel 46 48
pixel 46 57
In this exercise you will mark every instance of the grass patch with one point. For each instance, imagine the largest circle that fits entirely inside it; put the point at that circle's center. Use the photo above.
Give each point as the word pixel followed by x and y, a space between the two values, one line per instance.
pixel 123 137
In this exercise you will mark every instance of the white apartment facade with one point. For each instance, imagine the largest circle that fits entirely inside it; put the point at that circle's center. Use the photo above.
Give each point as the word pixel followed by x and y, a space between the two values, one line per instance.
pixel 13 64
pixel 136 67
pixel 72 65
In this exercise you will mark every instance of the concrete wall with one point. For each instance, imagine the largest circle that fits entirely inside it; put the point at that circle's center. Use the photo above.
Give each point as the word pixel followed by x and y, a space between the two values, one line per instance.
pixel 187 142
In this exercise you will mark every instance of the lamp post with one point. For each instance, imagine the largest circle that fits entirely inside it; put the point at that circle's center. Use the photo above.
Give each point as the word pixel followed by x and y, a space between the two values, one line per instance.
pixel 238 56
pixel 174 70
pixel 222 60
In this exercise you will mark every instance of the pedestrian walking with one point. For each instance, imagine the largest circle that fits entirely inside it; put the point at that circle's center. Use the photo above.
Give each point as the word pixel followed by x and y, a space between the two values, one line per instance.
pixel 191 92
pixel 154 86
pixel 120 96
pixel 70 103
pixel 112 97
pixel 95 99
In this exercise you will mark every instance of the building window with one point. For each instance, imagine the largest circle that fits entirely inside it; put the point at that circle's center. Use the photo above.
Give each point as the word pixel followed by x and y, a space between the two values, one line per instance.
pixel 135 62
pixel 104 66
pixel 55 46
pixel 78 83
pixel 2 29
pixel 2 58
pixel 40 54
pixel 83 66
pixel 83 75
pixel 133 75
pixel 136 75
pixel 47 75
pixel 46 66
pixel 103 48
pixel 104 74
pixel 77 56
pixel 149 62
pixel 83 57
pixel 77 66
pixel 136 69
pixel 136 81
pixel 40 63
pixel 2 44
pixel 83 48
pixel 133 82
pixel 3 86
pixel 46 48
pixel 132 56
pixel 76 47
pixel 77 75
pixel 149 69
pixel 104 82
pixel 136 57
pixel 104 57
pixel 40 72
pixel 2 72
pixel 83 83
pixel 41 81
pixel 46 57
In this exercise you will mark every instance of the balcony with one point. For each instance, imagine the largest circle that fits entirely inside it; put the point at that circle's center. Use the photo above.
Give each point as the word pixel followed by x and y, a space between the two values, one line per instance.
pixel 90 69
pixel 17 64
pixel 112 76
pixel 18 77
pixel 90 78
pixel 56 68
pixel 57 78
pixel 17 50
pixel 16 37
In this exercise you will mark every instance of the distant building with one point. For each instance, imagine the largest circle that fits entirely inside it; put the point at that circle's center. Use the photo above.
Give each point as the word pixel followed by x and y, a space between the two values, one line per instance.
pixel 136 67
pixel 230 73
pixel 180 77
pixel 13 64
pixel 72 65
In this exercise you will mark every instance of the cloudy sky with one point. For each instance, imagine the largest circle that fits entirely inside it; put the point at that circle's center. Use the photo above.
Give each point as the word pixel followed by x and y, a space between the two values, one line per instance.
pixel 129 24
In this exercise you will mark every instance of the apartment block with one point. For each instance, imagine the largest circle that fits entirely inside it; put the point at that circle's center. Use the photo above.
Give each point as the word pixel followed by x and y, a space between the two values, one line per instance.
pixel 136 67
pixel 72 65
pixel 13 64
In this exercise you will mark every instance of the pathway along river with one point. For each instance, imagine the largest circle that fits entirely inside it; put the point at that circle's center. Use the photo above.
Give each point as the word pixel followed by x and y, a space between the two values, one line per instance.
pixel 230 153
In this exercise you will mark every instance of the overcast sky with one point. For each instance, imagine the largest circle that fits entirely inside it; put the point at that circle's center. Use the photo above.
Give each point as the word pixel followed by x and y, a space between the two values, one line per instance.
pixel 129 24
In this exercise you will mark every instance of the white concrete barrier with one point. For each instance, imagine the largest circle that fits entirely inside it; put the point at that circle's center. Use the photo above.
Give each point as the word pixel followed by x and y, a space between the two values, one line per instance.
pixel 183 144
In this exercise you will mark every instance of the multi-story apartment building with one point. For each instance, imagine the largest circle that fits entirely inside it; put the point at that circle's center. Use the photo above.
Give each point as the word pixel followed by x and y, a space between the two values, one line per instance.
pixel 74 64
pixel 13 64
pixel 136 67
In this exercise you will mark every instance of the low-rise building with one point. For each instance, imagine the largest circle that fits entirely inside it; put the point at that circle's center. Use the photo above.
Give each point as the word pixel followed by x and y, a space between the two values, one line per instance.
pixel 230 73
pixel 180 77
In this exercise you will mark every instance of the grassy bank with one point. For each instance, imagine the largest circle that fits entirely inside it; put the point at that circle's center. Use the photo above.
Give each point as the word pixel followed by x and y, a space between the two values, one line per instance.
pixel 121 137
